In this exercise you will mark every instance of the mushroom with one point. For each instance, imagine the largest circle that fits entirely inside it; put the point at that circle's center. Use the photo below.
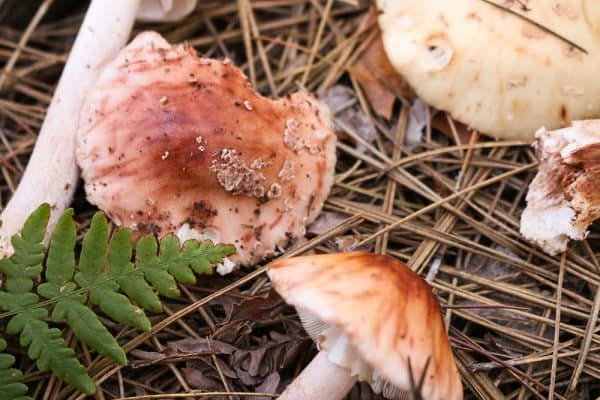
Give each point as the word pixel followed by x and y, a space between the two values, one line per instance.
pixel 170 142
pixel 51 174
pixel 165 10
pixel 564 197
pixel 495 67
pixel 374 320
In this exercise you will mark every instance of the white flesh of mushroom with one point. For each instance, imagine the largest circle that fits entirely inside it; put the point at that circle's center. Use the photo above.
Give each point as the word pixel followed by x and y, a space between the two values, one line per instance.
pixel 322 378
pixel 564 198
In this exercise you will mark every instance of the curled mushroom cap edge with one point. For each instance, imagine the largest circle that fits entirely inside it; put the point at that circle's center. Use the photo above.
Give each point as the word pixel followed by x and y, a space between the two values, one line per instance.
pixel 369 315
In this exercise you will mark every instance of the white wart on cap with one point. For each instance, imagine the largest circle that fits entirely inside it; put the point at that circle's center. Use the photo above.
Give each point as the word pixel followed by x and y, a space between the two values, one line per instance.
pixel 172 142
pixel 494 71
pixel 369 315
pixel 564 197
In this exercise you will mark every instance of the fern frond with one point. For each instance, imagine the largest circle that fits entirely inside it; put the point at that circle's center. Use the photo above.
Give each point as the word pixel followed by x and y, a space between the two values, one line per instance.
pixel 105 276
pixel 201 256
pixel 45 344
pixel 10 378
pixel 105 292
pixel 26 262
pixel 48 349
pixel 156 272
pixel 132 281
pixel 60 264
pixel 60 267
pixel 88 328
pixel 179 267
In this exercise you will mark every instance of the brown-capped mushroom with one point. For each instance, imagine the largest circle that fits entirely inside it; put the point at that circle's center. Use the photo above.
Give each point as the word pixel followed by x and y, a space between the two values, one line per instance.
pixel 489 65
pixel 371 317
pixel 172 142
pixel 564 197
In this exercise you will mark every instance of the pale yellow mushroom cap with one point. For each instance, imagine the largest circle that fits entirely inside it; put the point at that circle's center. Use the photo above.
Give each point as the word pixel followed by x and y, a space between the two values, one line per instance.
pixel 165 10
pixel 495 71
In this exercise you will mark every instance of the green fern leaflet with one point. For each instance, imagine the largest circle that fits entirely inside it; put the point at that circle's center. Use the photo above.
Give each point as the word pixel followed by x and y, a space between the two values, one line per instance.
pixel 10 378
pixel 104 276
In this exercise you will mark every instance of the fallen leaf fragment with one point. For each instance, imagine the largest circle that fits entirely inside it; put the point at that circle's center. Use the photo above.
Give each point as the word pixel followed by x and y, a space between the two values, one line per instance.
pixel 382 84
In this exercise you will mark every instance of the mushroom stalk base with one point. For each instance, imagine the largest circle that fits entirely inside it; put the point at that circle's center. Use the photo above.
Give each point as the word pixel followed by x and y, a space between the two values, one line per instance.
pixel 320 380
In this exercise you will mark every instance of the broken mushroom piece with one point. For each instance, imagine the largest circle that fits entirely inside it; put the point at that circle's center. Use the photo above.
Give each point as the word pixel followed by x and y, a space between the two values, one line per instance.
pixel 564 197
pixel 170 142
pixel 165 10
pixel 371 316
pixel 460 56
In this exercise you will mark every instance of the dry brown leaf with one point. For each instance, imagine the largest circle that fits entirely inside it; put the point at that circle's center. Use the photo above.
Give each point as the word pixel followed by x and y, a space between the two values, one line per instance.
pixel 345 243
pixel 252 355
pixel 253 309
pixel 147 355
pixel 199 345
pixel 269 385
pixel 349 116
pixel 441 123
pixel 199 379
pixel 325 221
pixel 235 332
pixel 255 365
pixel 382 84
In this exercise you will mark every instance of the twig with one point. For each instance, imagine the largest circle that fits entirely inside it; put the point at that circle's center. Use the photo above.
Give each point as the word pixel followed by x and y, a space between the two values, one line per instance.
pixel 561 276
pixel 536 24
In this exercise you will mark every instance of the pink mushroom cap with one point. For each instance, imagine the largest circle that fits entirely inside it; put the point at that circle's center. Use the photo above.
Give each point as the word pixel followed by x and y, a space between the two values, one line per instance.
pixel 170 142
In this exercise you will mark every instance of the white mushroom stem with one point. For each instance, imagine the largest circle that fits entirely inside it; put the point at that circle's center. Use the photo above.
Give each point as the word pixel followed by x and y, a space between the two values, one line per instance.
pixel 320 380
pixel 51 173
